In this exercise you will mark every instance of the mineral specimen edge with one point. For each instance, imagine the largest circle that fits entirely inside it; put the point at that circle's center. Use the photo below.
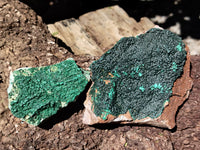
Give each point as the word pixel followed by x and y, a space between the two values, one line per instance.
pixel 90 117
pixel 35 94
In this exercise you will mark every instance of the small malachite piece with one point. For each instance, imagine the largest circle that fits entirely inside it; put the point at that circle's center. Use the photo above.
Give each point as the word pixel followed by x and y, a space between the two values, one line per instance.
pixel 36 94
pixel 142 88
pixel 137 75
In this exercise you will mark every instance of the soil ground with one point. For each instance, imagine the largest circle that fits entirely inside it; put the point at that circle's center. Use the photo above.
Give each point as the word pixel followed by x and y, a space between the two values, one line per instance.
pixel 25 41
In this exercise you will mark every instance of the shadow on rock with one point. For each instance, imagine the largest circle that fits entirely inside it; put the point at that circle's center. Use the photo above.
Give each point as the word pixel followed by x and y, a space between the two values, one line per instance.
pixel 112 126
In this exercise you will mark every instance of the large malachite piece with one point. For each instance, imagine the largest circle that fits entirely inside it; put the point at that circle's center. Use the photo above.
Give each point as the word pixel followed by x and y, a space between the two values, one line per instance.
pixel 137 75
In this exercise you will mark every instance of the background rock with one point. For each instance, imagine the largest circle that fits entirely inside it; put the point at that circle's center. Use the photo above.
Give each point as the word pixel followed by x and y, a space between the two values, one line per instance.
pixel 30 37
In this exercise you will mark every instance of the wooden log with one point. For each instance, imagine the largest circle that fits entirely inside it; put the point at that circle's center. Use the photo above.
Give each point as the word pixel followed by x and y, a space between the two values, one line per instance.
pixel 96 32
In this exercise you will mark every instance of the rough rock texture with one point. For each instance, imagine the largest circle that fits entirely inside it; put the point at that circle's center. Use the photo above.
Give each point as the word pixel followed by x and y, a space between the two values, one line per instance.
pixel 134 80
pixel 26 42
pixel 35 94
pixel 66 130
pixel 187 134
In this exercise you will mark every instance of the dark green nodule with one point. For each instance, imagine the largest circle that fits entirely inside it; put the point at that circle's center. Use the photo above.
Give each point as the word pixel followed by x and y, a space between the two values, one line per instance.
pixel 38 93
pixel 137 75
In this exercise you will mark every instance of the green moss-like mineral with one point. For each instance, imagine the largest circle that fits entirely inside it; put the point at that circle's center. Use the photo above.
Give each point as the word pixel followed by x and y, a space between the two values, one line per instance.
pixel 38 93
pixel 137 75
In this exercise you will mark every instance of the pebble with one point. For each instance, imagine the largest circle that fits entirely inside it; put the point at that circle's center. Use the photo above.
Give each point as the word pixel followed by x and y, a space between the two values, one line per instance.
pixel 186 142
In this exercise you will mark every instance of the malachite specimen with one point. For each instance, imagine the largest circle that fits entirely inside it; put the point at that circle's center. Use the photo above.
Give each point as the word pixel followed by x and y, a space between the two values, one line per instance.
pixel 37 93
pixel 137 75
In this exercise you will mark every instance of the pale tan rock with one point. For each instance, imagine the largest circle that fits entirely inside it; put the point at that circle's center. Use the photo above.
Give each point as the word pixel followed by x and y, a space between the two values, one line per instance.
pixel 96 32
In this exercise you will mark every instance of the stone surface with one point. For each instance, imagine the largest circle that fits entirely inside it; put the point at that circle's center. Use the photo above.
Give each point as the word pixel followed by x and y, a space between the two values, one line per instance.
pixel 35 94
pixel 133 81
pixel 27 44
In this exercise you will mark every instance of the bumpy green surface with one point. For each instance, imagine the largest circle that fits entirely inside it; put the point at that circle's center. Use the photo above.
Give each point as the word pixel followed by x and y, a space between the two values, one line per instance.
pixel 137 75
pixel 38 93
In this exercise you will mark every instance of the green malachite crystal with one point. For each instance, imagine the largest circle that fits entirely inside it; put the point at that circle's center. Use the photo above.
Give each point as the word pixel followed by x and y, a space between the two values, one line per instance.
pixel 137 75
pixel 37 93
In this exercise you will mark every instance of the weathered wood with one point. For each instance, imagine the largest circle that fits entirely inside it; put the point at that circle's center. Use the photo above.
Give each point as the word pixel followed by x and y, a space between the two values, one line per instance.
pixel 73 35
pixel 146 24
pixel 96 32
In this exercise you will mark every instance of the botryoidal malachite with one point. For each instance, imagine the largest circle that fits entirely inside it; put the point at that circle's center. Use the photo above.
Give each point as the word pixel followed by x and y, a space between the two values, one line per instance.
pixel 137 75
pixel 37 93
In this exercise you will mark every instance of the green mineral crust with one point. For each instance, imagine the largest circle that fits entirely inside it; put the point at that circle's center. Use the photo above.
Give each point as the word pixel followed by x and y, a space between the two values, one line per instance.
pixel 37 93
pixel 137 75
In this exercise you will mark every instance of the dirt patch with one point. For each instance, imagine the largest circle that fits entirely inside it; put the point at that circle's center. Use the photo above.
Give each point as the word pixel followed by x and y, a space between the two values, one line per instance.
pixel 25 41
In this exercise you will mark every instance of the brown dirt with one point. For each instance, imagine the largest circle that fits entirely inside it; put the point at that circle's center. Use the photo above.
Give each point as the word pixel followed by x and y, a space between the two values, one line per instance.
pixel 25 41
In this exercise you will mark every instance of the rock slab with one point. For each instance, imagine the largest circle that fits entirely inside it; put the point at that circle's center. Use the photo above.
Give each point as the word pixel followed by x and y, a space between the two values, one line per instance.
pixel 35 94
pixel 135 81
